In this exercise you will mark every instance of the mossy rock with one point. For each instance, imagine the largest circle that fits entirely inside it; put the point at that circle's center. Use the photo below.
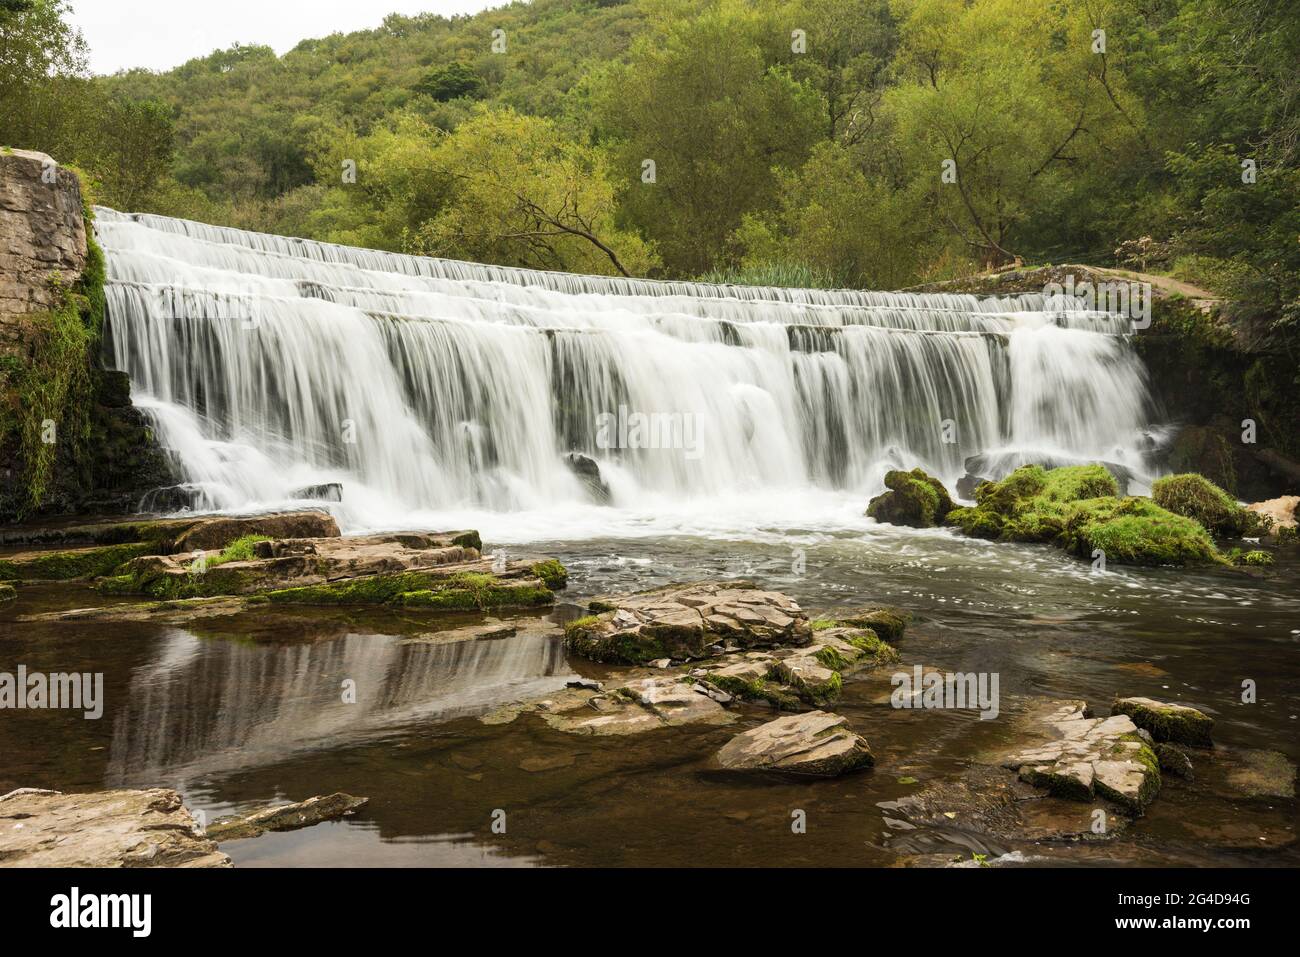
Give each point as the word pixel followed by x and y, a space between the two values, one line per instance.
pixel 1077 508
pixel 7 592
pixel 913 499
pixel 1167 723
pixel 1136 531
pixel 1197 498
pixel 70 564
pixel 552 573
pixel 465 591
pixel 886 623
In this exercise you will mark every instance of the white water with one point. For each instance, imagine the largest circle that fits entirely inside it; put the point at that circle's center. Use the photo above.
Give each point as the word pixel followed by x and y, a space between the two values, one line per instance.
pixel 448 393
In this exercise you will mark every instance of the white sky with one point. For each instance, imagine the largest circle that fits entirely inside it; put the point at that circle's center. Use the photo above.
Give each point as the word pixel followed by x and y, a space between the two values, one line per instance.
pixel 160 34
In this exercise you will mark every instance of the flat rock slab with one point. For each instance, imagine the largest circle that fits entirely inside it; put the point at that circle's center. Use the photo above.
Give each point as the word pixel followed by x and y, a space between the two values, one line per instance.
pixel 1080 757
pixel 120 828
pixel 1166 722
pixel 684 622
pixel 818 744
pixel 645 704
pixel 286 817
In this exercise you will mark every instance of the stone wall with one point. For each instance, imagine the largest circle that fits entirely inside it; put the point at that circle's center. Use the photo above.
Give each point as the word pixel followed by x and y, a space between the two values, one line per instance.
pixel 42 237
pixel 105 458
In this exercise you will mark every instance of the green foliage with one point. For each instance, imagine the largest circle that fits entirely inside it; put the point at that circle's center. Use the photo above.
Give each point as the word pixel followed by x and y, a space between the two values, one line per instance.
pixel 240 550
pixel 453 82
pixel 775 164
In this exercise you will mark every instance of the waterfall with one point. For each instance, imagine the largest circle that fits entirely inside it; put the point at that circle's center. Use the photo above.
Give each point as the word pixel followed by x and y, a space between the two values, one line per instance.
pixel 431 386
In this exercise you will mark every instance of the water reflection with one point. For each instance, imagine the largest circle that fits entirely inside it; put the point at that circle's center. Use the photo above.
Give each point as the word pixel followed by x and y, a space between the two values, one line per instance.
pixel 203 708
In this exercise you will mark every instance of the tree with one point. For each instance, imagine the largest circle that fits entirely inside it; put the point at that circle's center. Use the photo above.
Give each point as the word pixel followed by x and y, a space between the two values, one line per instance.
pixel 705 100
pixel 521 194
pixel 452 83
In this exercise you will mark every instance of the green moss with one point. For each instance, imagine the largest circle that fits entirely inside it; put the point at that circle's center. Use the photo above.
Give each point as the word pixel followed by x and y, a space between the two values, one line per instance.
pixel 886 623
pixel 1201 500
pixel 759 690
pixel 1176 725
pixel 1077 508
pixel 1256 558
pixel 7 592
pixel 83 563
pixel 240 550
pixel 868 641
pixel 830 656
pixel 51 395
pixel 553 574
pixel 822 624
pixel 913 498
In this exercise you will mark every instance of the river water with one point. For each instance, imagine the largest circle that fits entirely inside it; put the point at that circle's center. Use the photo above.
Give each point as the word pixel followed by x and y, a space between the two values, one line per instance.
pixel 240 711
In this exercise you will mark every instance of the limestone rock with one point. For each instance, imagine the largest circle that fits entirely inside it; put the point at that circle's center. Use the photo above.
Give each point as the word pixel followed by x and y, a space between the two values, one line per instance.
pixel 689 621
pixel 286 817
pixel 122 828
pixel 641 705
pixel 1166 722
pixel 817 743
pixel 1078 756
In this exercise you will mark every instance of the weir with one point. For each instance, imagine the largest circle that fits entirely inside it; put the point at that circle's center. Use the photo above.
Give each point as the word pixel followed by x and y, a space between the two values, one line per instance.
pixel 269 364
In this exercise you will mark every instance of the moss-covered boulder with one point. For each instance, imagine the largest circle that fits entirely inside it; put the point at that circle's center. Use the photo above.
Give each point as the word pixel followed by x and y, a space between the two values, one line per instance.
pixel 913 498
pixel 7 592
pixel 1078 508
pixel 1200 499
pixel 887 622
pixel 1171 723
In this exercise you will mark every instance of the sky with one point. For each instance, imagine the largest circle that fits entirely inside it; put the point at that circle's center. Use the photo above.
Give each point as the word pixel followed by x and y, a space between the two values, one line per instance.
pixel 161 34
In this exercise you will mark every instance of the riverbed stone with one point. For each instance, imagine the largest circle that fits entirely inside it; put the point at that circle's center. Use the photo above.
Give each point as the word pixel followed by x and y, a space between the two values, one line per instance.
pixel 683 622
pixel 116 828
pixel 285 817
pixel 1173 759
pixel 817 744
pixel 1167 722
pixel 887 622
pixel 644 704
pixel 1078 757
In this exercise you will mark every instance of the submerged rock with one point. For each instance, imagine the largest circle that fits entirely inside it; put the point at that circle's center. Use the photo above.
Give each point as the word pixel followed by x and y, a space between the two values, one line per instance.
pixel 285 817
pixel 121 828
pixel 325 492
pixel 1174 760
pixel 588 473
pixel 1166 722
pixel 913 498
pixel 817 743
pixel 7 592
pixel 1079 757
pixel 681 622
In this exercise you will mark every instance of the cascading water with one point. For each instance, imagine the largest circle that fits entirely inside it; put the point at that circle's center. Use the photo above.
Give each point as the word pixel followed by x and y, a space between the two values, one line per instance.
pixel 436 388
